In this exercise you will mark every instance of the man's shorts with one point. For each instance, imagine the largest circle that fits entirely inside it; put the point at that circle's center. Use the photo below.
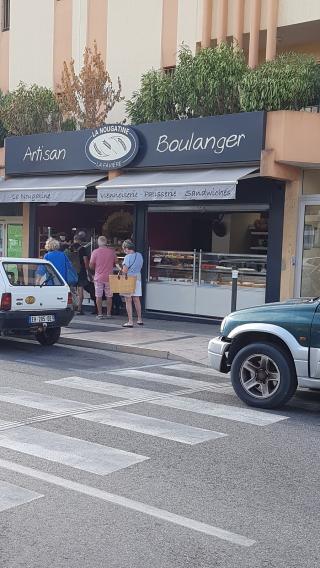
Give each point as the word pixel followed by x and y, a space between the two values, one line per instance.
pixel 101 287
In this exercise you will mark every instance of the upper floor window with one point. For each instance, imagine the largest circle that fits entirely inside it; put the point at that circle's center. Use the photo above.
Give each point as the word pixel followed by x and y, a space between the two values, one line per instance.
pixel 5 15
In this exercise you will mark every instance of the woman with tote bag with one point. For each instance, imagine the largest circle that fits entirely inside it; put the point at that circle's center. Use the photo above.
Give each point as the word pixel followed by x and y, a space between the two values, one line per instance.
pixel 132 265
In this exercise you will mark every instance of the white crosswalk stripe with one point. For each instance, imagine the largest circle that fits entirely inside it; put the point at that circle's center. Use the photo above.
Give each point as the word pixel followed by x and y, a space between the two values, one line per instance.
pixel 152 426
pixel 65 450
pixel 234 413
pixel 196 369
pixel 40 401
pixel 12 496
pixel 100 387
pixel 174 380
pixel 228 412
pixel 124 420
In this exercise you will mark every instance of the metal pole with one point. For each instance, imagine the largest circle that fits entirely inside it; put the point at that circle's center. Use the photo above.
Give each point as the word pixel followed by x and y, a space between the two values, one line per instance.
pixel 200 264
pixel 234 289
pixel 149 261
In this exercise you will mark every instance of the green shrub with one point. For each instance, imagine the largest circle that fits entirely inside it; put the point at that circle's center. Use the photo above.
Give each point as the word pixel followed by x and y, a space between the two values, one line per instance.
pixel 203 84
pixel 30 110
pixel 289 82
pixel 154 101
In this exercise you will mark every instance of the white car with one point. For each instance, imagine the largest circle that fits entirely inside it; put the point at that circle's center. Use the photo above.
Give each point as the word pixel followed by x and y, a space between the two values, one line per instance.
pixel 34 299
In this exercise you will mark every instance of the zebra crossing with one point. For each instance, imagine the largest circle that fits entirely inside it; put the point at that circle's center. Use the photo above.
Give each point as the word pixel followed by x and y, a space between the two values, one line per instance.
pixel 100 459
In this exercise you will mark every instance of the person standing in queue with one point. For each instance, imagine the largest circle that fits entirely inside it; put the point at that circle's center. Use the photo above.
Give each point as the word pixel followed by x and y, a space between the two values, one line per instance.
pixel 102 261
pixel 78 257
pixel 58 258
pixel 132 265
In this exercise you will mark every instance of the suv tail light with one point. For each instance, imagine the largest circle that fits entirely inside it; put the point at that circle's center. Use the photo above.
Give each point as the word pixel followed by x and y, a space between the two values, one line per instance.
pixel 6 302
pixel 70 302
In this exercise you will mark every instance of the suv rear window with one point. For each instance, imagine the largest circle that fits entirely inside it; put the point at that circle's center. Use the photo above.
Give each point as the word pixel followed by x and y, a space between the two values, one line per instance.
pixel 31 274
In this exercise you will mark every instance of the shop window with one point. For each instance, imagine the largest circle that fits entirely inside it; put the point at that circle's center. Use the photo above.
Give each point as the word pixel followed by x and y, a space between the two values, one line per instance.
pixel 310 274
pixel 5 16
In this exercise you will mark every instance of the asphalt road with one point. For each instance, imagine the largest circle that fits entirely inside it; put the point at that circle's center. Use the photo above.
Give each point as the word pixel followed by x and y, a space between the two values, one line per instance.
pixel 119 461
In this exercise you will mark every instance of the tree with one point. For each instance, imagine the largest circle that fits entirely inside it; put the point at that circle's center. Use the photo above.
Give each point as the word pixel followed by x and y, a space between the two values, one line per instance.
pixel 29 110
pixel 88 98
pixel 203 84
pixel 289 82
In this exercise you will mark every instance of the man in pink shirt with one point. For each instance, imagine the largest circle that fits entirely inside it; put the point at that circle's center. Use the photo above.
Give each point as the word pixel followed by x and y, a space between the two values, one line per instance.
pixel 102 261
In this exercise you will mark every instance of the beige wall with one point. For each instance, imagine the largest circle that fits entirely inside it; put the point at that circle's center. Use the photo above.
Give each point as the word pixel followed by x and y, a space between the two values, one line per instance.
pixel 31 42
pixel 189 23
pixel 132 46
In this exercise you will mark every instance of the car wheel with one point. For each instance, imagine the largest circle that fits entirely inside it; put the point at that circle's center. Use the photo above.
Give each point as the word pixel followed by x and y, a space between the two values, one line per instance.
pixel 263 376
pixel 48 336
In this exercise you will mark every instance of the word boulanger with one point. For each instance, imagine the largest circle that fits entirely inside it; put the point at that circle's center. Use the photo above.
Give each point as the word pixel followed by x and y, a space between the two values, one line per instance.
pixel 217 145
pixel 40 154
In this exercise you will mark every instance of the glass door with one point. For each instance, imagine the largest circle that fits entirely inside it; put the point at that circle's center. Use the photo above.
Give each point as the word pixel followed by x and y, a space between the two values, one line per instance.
pixel 308 265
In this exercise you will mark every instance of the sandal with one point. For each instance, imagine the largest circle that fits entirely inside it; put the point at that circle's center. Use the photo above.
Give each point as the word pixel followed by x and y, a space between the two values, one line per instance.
pixel 127 324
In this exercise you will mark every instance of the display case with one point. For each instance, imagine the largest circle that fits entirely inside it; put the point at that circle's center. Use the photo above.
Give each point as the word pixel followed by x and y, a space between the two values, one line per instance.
pixel 216 269
pixel 172 266
pixel 200 283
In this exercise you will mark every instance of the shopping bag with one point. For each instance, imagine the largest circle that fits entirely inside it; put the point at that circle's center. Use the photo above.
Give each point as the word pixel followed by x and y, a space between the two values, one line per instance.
pixel 122 283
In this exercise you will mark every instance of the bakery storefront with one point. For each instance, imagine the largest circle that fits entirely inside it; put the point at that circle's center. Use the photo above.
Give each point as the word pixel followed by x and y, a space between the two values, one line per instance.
pixel 190 192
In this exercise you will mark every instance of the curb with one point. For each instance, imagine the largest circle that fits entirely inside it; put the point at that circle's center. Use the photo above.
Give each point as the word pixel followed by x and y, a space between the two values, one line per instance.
pixel 120 348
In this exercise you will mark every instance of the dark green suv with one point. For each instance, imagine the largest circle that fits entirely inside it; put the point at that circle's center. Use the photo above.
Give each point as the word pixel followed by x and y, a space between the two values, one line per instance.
pixel 270 350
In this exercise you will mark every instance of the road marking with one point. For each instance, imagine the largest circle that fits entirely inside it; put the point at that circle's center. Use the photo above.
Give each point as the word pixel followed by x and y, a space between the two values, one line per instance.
pixel 108 370
pixel 174 400
pixel 173 380
pixel 136 506
pixel 111 389
pixel 12 496
pixel 73 452
pixel 234 413
pixel 40 401
pixel 152 426
pixel 199 370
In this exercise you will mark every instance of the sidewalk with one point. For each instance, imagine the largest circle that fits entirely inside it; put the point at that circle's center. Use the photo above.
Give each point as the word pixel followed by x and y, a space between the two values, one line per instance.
pixel 182 341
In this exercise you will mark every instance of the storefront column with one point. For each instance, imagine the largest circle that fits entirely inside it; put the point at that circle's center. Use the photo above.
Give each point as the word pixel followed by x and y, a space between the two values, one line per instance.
pixel 25 229
pixel 289 242
pixel 29 245
pixel 140 234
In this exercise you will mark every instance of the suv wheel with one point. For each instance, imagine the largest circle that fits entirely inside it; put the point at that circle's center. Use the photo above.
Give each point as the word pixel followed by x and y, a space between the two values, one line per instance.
pixel 263 375
pixel 48 336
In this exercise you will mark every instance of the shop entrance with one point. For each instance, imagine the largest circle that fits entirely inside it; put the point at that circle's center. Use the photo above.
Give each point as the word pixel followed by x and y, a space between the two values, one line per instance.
pixel 308 248
pixel 63 220
pixel 191 254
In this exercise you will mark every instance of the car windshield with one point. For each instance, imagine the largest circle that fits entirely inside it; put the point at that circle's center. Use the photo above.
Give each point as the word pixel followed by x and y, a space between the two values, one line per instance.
pixel 31 274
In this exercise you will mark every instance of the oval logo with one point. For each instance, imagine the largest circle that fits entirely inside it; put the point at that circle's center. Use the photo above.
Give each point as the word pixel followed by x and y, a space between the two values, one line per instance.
pixel 112 146
pixel 30 300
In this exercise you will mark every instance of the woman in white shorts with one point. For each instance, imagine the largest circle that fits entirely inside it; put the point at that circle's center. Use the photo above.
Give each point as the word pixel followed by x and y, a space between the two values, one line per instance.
pixel 132 265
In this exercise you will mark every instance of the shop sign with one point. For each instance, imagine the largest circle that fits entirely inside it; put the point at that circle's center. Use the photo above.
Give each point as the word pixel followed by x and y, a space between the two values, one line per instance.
pixel 227 139
pixel 42 196
pixel 109 147
pixel 212 140
pixel 184 193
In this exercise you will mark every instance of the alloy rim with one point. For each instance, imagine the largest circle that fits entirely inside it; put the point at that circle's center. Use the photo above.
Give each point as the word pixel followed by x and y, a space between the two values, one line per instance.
pixel 260 376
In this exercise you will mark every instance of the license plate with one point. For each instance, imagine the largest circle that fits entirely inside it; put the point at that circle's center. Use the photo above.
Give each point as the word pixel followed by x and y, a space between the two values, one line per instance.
pixel 41 319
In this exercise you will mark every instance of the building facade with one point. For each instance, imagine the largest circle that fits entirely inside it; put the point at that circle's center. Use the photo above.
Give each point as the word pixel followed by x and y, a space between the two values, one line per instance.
pixel 276 211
